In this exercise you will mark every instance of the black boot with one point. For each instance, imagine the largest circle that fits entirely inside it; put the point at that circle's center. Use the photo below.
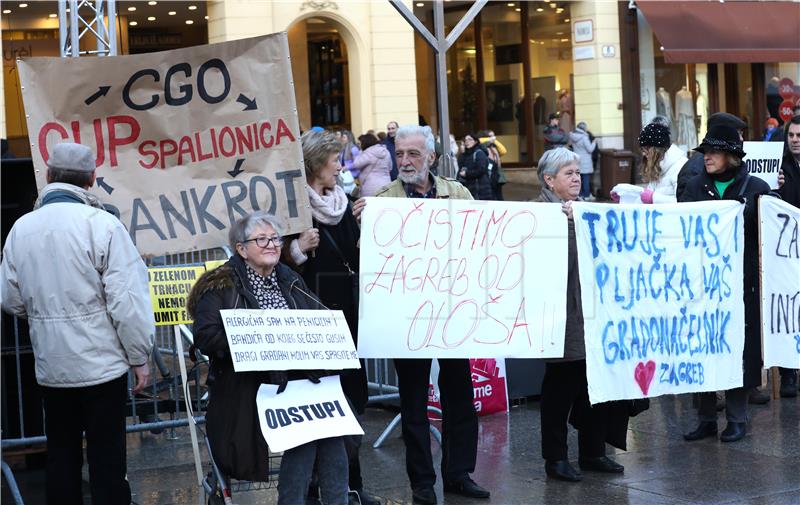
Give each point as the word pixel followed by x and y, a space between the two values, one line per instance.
pixel 788 383
pixel 703 430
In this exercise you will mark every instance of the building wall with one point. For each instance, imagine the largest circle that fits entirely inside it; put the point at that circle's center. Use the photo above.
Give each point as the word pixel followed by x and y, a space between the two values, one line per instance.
pixel 380 48
pixel 598 81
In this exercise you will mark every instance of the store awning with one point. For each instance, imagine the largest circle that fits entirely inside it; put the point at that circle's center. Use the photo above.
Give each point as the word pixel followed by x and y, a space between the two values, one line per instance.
pixel 715 31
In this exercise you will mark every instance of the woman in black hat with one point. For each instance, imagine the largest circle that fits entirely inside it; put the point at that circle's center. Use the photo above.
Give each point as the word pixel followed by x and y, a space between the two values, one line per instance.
pixel 725 178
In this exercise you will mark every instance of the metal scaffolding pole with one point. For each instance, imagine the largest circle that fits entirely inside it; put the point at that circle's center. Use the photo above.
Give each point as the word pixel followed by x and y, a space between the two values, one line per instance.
pixel 81 18
pixel 440 44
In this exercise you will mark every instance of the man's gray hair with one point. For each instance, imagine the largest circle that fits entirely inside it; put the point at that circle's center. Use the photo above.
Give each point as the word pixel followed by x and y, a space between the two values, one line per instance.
pixel 554 160
pixel 242 228
pixel 412 130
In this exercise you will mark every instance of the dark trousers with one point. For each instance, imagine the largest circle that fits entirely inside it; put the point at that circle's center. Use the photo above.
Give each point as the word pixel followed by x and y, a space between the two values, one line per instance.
pixel 99 411
pixel 564 392
pixel 459 421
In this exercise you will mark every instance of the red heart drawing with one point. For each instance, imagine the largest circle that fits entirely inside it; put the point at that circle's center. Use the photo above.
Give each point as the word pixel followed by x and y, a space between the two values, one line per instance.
pixel 644 374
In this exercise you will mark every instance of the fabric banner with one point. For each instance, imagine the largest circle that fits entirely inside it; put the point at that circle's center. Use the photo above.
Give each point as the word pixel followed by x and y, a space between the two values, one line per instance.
pixel 780 282
pixel 763 160
pixel 289 340
pixel 304 412
pixel 461 278
pixel 489 388
pixel 662 297
pixel 187 141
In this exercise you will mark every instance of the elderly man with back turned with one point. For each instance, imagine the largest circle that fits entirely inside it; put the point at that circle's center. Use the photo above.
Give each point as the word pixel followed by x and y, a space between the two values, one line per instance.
pixel 415 150
pixel 71 269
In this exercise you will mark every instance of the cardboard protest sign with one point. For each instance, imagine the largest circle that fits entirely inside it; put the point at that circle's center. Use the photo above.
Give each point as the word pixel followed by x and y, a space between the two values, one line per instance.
pixel 169 289
pixel 289 340
pixel 304 412
pixel 462 278
pixel 489 388
pixel 780 282
pixel 187 141
pixel 763 160
pixel 662 296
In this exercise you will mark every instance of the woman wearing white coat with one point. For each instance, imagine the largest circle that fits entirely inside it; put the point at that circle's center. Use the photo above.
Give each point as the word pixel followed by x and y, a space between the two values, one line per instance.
pixel 583 145
pixel 661 164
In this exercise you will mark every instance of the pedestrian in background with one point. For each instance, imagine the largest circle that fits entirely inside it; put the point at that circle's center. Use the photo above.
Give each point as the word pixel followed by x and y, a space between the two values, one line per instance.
pixel 583 144
pixel 473 169
pixel 71 269
pixel 554 136
pixel 565 395
pixel 374 165
pixel 495 151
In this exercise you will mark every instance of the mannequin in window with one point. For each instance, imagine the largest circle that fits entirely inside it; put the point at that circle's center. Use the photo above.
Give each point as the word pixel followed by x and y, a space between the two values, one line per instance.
pixel 539 109
pixel 565 107
pixel 684 113
pixel 664 108
pixel 702 112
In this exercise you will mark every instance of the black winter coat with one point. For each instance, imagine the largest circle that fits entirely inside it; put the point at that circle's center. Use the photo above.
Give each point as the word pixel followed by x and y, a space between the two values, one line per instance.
pixel 475 165
pixel 694 166
pixel 701 188
pixel 336 284
pixel 232 424
pixel 790 191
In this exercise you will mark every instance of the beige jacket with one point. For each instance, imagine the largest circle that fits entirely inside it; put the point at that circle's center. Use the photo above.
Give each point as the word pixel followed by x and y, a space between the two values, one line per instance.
pixel 72 270
pixel 445 188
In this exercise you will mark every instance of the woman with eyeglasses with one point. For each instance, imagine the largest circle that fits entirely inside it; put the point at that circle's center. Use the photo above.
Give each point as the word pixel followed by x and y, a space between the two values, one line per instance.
pixel 254 278
pixel 327 256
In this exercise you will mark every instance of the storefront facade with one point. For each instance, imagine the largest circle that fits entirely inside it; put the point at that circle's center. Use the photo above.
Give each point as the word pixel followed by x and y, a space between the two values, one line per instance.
pixel 696 58
pixel 613 65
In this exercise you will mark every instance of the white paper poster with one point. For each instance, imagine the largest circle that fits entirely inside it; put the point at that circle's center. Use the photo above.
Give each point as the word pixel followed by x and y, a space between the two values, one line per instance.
pixel 289 340
pixel 462 278
pixel 780 282
pixel 763 160
pixel 304 412
pixel 662 296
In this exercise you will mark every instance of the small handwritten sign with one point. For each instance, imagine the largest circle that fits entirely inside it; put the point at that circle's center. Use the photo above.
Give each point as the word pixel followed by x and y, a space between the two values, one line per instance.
pixel 304 412
pixel 780 282
pixel 289 340
pixel 662 297
pixel 462 278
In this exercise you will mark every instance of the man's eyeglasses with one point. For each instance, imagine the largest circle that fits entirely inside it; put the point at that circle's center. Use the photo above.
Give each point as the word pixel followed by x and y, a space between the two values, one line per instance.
pixel 264 242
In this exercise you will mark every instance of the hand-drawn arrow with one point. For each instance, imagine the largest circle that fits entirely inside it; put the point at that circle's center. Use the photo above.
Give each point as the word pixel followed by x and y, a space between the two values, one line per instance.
pixel 237 169
pixel 248 104
pixel 101 91
pixel 101 184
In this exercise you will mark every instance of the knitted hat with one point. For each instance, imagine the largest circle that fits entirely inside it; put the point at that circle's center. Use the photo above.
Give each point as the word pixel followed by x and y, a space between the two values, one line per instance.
pixel 722 138
pixel 654 135
pixel 70 156
pixel 772 122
